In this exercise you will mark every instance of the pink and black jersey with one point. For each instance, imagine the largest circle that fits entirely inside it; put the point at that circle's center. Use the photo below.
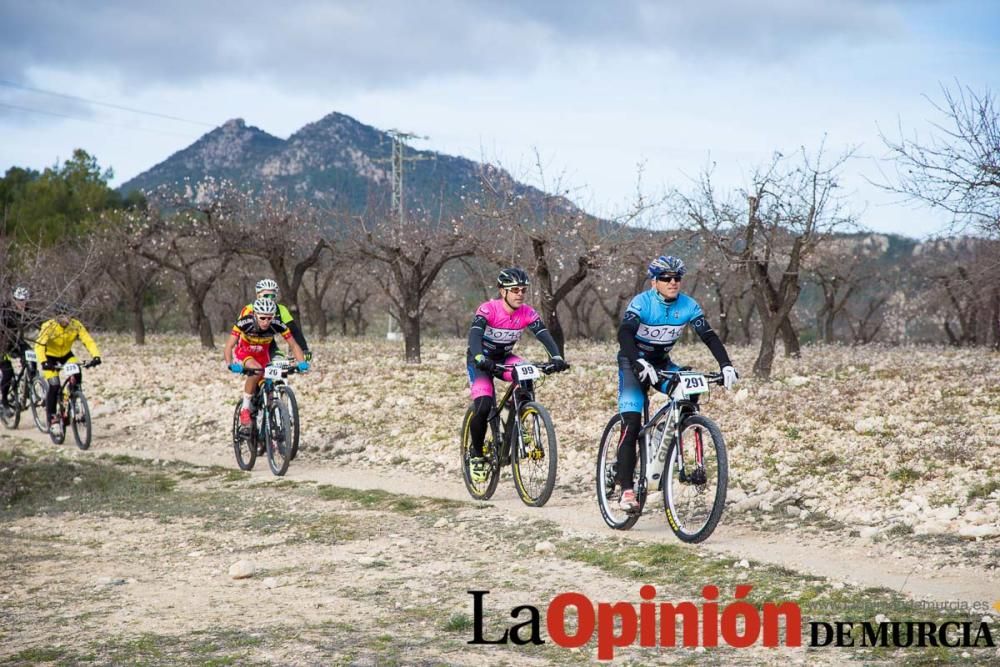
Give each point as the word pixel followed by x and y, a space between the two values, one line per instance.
pixel 495 331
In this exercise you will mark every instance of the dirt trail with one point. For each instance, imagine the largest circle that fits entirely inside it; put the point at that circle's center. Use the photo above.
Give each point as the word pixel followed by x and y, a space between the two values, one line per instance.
pixel 849 560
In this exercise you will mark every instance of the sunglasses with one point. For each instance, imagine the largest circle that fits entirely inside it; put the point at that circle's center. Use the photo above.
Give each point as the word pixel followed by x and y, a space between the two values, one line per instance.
pixel 272 297
pixel 517 290
pixel 265 318
pixel 668 279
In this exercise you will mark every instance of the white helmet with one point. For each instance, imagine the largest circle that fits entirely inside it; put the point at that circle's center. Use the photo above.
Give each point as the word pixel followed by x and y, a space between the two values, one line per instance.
pixel 265 307
pixel 266 285
pixel 21 294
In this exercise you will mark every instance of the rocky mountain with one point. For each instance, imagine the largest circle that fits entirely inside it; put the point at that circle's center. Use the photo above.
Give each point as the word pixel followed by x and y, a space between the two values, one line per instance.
pixel 335 161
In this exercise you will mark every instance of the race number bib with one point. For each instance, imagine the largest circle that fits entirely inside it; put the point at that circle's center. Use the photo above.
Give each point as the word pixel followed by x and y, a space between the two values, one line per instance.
pixel 29 355
pixel 691 384
pixel 527 372
pixel 659 334
pixel 272 373
pixel 71 369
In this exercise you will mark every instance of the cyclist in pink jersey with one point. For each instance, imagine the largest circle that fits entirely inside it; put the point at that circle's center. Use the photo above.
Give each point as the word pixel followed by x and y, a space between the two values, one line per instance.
pixel 496 328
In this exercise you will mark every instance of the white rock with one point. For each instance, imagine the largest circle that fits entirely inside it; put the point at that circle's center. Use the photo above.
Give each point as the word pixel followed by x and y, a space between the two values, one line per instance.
pixel 766 506
pixel 979 531
pixel 270 582
pixel 797 381
pixel 882 618
pixel 868 532
pixel 735 495
pixel 242 569
pixel 62 499
pixel 366 560
pixel 743 563
pixel 441 523
pixel 545 547
pixel 932 527
pixel 790 510
pixel 77 480
pixel 946 513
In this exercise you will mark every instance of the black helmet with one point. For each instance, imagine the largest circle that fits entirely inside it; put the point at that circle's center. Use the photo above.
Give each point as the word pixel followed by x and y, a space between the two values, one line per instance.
pixel 512 277
pixel 63 308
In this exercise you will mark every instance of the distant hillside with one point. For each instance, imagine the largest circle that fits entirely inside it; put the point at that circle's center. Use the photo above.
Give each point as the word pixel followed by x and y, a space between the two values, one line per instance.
pixel 335 161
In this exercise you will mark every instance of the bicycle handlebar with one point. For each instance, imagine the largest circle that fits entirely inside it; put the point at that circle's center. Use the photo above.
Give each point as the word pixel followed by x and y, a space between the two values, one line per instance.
pixel 286 370
pixel 546 367
pixel 711 378
pixel 58 365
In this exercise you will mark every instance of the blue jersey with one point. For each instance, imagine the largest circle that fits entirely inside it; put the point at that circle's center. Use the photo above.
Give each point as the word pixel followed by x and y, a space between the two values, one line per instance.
pixel 661 322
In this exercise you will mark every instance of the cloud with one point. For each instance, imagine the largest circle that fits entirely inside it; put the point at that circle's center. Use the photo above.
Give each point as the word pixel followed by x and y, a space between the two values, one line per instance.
pixel 388 43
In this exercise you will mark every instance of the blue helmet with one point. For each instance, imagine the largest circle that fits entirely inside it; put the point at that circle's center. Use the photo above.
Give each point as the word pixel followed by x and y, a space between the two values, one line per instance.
pixel 666 264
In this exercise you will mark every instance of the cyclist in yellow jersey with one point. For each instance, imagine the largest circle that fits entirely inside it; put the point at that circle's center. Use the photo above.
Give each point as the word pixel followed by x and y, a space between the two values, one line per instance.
pixel 54 346
pixel 268 289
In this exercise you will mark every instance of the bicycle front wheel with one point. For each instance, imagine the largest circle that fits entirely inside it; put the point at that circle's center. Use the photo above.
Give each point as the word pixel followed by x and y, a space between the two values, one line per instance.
pixel 60 435
pixel 243 444
pixel 79 417
pixel 278 437
pixel 39 388
pixel 288 398
pixel 609 491
pixel 11 416
pixel 697 479
pixel 535 458
pixel 479 489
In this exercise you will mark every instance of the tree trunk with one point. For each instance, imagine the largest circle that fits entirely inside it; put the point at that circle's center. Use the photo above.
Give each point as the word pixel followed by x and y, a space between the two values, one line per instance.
pixel 790 338
pixel 199 320
pixel 410 324
pixel 765 355
pixel 138 323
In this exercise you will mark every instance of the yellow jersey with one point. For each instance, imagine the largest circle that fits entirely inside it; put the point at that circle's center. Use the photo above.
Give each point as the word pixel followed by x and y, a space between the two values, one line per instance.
pixel 55 340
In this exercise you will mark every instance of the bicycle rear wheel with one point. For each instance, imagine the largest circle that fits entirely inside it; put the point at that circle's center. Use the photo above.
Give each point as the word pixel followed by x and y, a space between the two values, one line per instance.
pixel 288 398
pixel 479 490
pixel 79 417
pixel 535 460
pixel 243 444
pixel 278 437
pixel 693 499
pixel 609 491
pixel 39 388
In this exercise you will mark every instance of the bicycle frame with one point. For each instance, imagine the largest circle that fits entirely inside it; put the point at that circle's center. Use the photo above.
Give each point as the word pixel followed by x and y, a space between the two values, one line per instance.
pixel 517 393
pixel 670 416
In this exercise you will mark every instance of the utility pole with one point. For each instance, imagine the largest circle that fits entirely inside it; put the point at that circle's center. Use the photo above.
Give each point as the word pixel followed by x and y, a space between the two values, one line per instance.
pixel 399 157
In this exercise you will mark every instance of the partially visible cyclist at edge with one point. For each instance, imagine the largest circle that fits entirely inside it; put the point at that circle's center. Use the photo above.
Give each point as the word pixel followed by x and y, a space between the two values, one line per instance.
pixel 652 323
pixel 267 288
pixel 14 319
pixel 54 347
pixel 249 346
pixel 495 329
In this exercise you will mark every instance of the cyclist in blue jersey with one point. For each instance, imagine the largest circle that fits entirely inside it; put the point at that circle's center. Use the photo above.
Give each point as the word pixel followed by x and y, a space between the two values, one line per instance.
pixel 652 323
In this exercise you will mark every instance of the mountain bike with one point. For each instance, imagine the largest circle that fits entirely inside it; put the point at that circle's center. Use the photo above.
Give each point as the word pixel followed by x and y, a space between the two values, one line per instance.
pixel 526 443
pixel 22 395
pixel 39 388
pixel 287 395
pixel 270 423
pixel 71 408
pixel 681 452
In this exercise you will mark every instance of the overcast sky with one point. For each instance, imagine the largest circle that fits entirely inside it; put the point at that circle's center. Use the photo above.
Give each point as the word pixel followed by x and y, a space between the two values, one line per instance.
pixel 595 87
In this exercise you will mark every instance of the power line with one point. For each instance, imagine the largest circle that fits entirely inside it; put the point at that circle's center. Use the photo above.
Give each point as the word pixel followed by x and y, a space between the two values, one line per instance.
pixel 11 84
pixel 91 120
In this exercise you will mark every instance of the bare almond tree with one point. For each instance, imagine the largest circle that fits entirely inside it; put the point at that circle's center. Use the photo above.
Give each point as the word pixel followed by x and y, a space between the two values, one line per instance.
pixel 287 235
pixel 558 243
pixel 791 208
pixel 956 167
pixel 409 256
pixel 193 234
